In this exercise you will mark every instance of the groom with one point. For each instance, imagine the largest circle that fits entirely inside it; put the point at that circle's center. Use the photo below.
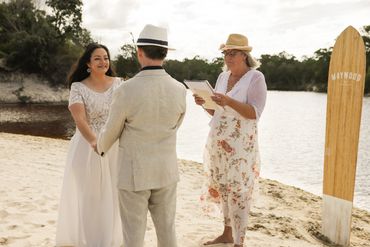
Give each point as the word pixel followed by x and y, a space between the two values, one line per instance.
pixel 145 114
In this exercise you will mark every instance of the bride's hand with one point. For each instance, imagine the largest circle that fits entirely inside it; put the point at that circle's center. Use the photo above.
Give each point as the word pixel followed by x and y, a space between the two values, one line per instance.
pixel 94 146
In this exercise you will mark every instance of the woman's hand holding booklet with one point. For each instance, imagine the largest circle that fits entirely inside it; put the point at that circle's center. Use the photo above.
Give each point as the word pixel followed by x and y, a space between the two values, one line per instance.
pixel 203 89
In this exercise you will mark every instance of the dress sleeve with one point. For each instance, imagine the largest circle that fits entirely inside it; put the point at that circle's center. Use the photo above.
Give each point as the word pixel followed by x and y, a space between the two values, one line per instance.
pixel 75 95
pixel 257 95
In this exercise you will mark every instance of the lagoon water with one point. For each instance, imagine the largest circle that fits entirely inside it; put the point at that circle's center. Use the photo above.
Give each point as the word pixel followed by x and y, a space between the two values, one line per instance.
pixel 291 137
pixel 291 140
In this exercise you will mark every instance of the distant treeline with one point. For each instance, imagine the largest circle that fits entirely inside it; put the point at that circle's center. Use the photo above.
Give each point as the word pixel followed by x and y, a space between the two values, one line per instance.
pixel 32 41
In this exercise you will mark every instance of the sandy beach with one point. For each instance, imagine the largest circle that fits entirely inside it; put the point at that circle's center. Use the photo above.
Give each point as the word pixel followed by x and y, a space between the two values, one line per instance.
pixel 31 172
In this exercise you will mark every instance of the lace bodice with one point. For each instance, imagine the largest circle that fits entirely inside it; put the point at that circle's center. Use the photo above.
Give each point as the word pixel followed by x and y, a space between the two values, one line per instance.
pixel 96 104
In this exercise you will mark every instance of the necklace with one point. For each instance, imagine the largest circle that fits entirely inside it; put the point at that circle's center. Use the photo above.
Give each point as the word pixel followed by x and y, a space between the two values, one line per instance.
pixel 233 79
pixel 231 82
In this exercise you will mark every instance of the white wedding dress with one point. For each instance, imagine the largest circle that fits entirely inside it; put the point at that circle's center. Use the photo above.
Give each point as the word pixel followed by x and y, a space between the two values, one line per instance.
pixel 88 209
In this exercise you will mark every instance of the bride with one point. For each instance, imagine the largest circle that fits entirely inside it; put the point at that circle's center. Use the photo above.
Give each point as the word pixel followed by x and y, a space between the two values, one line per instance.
pixel 88 210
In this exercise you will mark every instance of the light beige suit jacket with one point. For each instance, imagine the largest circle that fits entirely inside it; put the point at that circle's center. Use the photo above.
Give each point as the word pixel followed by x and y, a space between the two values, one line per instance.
pixel 145 114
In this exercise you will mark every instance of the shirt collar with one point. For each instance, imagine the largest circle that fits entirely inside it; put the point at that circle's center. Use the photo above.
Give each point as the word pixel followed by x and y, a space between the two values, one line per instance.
pixel 151 67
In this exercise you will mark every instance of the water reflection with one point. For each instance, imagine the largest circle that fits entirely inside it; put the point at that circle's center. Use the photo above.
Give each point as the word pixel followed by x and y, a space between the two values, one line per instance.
pixel 39 120
pixel 291 137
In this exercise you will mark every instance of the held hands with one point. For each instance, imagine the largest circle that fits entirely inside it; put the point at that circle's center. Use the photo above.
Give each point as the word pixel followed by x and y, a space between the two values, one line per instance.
pixel 94 146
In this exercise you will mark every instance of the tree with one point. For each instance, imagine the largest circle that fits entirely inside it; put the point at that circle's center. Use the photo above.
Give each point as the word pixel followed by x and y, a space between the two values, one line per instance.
pixel 195 69
pixel 30 43
pixel 322 57
pixel 126 62
pixel 127 66
pixel 281 71
pixel 34 42
pixel 67 19
pixel 27 38
pixel 366 37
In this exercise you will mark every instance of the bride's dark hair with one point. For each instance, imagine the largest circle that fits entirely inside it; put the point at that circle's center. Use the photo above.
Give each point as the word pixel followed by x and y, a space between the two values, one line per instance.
pixel 79 70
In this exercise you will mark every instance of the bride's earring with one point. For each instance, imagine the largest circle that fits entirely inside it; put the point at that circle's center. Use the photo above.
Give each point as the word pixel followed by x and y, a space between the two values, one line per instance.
pixel 88 70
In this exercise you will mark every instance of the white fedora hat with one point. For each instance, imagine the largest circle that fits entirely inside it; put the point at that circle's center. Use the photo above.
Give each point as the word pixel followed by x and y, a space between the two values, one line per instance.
pixel 154 36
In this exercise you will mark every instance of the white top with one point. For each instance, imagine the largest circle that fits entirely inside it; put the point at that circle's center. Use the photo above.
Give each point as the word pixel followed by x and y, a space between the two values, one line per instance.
pixel 251 89
pixel 96 103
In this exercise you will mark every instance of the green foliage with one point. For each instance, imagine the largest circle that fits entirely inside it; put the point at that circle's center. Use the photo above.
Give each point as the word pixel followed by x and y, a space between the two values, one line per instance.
pixel 366 37
pixel 27 38
pixel 192 69
pixel 367 81
pixel 126 63
pixel 33 42
pixel 66 55
pixel 67 16
pixel 67 19
pixel 127 66
pixel 285 72
pixel 195 69
pixel 282 71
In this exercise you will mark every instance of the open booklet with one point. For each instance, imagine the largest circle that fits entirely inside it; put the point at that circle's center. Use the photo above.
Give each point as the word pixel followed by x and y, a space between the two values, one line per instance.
pixel 203 89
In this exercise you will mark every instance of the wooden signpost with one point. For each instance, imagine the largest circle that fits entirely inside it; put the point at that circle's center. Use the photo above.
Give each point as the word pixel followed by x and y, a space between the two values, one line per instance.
pixel 344 103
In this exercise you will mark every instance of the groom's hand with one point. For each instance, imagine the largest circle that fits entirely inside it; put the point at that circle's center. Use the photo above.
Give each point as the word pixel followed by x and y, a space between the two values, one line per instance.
pixel 94 146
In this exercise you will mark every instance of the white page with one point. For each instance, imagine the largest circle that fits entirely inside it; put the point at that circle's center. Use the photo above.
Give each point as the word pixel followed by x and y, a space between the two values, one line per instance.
pixel 203 89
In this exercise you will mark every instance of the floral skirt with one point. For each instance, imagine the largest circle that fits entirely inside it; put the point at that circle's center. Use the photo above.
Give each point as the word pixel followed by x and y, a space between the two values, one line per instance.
pixel 232 163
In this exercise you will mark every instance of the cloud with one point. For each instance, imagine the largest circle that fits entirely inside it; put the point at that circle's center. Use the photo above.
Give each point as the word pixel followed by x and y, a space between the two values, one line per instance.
pixel 301 28
pixel 199 27
pixel 294 16
pixel 104 15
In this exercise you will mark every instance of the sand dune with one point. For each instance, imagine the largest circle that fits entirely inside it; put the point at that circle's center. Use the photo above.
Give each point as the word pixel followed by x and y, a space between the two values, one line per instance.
pixel 18 87
pixel 31 171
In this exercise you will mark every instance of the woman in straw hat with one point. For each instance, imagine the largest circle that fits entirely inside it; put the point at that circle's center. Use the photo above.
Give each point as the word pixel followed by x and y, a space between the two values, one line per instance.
pixel 231 155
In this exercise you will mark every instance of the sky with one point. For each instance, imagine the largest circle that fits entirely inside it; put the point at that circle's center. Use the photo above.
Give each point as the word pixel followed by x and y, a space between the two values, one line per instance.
pixel 198 27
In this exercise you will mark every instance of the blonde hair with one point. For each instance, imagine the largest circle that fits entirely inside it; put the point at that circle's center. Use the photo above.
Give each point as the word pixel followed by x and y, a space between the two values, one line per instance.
pixel 249 60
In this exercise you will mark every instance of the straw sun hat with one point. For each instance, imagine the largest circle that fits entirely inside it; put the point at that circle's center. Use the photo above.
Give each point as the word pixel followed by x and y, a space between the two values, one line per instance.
pixel 237 42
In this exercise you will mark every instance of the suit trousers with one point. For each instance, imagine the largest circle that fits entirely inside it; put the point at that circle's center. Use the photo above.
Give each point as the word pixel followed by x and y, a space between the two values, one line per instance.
pixel 134 206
